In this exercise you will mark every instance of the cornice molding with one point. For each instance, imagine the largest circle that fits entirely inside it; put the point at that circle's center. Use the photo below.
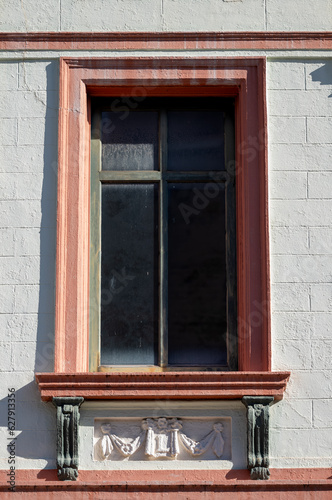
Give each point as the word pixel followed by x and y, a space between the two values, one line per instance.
pixel 252 40
pixel 168 385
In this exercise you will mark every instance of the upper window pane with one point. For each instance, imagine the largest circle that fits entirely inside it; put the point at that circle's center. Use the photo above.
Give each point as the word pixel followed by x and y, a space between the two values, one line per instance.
pixel 195 140
pixel 130 140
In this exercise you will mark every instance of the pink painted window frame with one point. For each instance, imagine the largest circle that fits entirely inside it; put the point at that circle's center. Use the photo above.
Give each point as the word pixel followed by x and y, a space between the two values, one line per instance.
pixel 242 78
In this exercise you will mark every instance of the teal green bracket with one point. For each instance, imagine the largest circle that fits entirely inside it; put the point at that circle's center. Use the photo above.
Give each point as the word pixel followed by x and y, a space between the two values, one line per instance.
pixel 258 412
pixel 67 423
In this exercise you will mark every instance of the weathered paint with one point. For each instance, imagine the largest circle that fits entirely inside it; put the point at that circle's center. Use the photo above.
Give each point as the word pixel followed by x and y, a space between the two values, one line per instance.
pixel 251 40
pixel 163 385
pixel 303 484
pixel 242 78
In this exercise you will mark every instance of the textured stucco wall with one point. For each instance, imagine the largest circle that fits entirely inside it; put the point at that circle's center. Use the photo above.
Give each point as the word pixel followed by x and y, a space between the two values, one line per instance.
pixel 300 182
pixel 165 15
pixel 300 150
pixel 300 172
pixel 28 180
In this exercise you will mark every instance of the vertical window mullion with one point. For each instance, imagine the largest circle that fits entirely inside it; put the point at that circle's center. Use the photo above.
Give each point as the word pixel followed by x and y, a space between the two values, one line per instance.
pixel 95 245
pixel 163 242
pixel 231 243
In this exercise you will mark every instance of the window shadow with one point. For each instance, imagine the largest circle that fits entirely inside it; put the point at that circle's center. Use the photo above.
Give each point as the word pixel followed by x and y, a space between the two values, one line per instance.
pixel 44 355
pixel 35 420
pixel 35 428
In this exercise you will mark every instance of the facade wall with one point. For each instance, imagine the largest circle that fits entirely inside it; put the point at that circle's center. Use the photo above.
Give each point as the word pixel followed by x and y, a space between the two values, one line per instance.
pixel 28 219
pixel 299 109
pixel 166 15
pixel 299 114
pixel 300 195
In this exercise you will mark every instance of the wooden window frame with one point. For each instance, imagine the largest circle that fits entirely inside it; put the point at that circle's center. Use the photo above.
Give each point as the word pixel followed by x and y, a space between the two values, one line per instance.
pixel 241 78
pixel 160 177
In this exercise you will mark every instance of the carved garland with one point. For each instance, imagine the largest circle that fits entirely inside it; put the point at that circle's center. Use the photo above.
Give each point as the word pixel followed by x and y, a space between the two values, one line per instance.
pixel 162 438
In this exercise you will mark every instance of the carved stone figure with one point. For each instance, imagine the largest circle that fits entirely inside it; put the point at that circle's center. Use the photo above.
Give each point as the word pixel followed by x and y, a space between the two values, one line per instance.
pixel 162 439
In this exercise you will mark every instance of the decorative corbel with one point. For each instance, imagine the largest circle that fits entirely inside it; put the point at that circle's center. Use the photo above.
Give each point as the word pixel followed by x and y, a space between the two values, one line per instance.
pixel 67 422
pixel 258 435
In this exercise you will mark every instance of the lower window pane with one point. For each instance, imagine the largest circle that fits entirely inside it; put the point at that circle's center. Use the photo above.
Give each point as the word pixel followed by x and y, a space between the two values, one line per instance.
pixel 196 274
pixel 129 274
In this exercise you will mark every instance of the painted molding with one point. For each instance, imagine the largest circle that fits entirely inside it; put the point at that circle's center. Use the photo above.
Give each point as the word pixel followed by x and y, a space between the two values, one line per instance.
pixel 161 437
pixel 167 41
pixel 291 483
pixel 67 423
pixel 258 409
pixel 171 385
pixel 242 78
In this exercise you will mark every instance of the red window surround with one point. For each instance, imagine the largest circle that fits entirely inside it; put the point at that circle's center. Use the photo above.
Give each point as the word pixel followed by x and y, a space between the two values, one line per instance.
pixel 241 78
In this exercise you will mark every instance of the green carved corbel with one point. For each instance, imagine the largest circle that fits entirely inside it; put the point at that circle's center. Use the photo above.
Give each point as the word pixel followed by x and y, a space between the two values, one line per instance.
pixel 67 421
pixel 258 408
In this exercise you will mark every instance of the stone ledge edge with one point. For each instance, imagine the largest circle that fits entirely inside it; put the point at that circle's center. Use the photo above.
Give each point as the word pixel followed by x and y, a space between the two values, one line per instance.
pixel 175 385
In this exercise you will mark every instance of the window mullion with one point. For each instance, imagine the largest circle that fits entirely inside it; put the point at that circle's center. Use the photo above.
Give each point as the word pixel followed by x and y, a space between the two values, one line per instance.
pixel 163 242
pixel 231 243
pixel 95 245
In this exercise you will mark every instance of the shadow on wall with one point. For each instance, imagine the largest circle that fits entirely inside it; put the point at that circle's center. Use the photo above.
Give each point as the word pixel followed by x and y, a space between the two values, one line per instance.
pixel 44 357
pixel 35 429
pixel 323 74
pixel 35 421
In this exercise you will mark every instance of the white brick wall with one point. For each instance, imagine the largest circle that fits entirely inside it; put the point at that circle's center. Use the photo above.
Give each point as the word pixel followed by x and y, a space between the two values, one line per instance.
pixel 301 213
pixel 298 16
pixel 166 15
pixel 28 145
pixel 299 114
pixel 308 157
pixel 319 128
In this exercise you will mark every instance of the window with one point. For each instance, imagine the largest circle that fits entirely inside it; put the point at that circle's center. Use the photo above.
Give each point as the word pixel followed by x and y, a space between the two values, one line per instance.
pixel 163 245
pixel 83 80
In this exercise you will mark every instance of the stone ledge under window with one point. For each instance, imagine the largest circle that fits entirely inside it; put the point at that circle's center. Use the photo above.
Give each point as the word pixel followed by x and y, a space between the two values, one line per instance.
pixel 174 385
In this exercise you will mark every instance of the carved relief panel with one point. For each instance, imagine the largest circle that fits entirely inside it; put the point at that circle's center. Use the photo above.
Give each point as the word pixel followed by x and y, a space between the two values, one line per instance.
pixel 162 438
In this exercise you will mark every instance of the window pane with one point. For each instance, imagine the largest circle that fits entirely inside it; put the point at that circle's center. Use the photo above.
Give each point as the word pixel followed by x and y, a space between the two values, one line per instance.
pixel 197 274
pixel 129 274
pixel 130 140
pixel 195 140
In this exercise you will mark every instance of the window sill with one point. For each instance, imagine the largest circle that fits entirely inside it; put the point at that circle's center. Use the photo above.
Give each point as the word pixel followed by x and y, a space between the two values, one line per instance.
pixel 167 385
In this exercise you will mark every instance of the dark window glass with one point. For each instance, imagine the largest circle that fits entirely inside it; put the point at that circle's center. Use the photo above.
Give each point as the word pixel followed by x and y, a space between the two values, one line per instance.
pixel 167 274
pixel 196 274
pixel 195 140
pixel 129 274
pixel 130 140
